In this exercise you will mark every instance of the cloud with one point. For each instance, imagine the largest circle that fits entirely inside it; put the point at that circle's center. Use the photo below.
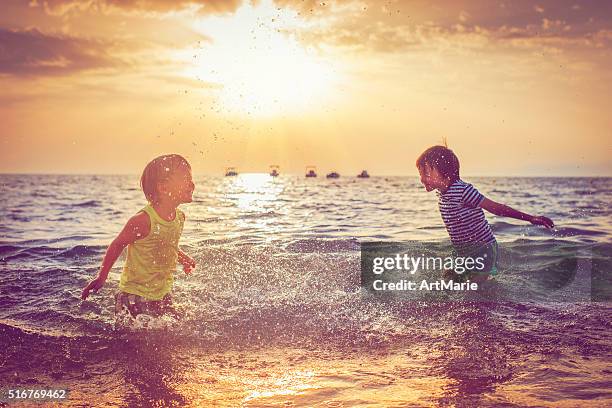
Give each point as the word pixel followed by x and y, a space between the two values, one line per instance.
pixel 392 25
pixel 33 53
pixel 62 7
pixel 358 25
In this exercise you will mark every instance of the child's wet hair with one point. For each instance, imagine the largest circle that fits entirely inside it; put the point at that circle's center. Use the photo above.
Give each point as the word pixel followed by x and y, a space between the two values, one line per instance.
pixel 159 170
pixel 442 159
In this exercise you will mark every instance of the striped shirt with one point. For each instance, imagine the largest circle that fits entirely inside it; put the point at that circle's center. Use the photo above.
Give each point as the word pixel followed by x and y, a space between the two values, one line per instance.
pixel 464 219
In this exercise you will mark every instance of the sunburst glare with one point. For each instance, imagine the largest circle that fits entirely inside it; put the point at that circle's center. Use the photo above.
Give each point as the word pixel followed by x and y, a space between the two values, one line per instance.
pixel 267 70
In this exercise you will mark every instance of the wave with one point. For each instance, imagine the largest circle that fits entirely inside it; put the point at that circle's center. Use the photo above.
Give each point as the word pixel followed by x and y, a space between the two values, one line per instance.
pixel 82 251
pixel 559 231
pixel 572 231
pixel 323 245
pixel 88 203
pixel 13 252
pixel 257 215
pixel 305 287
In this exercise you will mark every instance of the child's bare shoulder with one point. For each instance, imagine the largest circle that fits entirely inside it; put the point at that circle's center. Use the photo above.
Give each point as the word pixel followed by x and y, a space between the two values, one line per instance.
pixel 138 225
pixel 140 219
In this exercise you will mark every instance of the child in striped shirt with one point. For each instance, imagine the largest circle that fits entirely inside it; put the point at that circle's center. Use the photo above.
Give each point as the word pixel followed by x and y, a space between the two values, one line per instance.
pixel 461 206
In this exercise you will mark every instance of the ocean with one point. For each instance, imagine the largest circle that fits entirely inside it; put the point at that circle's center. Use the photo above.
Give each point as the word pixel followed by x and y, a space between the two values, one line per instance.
pixel 275 314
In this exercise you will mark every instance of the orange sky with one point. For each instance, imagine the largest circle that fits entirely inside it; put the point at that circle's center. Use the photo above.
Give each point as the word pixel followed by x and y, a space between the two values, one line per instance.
pixel 102 86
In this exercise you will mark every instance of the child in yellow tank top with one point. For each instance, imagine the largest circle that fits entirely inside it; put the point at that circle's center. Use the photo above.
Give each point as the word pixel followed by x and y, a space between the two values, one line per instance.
pixel 151 237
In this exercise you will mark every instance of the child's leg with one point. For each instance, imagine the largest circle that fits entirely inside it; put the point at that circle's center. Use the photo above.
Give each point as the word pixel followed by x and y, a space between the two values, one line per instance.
pixel 488 256
pixel 478 277
pixel 168 307
pixel 127 302
pixel 136 305
pixel 165 306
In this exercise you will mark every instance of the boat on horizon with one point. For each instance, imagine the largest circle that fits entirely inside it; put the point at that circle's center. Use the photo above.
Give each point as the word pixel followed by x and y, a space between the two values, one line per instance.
pixel 311 171
pixel 363 174
pixel 274 168
pixel 230 172
pixel 333 175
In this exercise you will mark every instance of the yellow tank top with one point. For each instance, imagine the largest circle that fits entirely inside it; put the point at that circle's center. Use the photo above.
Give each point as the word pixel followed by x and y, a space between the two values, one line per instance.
pixel 151 261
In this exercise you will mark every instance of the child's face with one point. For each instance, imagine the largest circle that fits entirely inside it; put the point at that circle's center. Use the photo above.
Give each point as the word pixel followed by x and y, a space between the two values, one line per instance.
pixel 179 186
pixel 431 178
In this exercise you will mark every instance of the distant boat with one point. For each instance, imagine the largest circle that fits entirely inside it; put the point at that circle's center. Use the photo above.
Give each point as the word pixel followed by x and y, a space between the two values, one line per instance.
pixel 231 172
pixel 311 171
pixel 274 170
pixel 363 174
pixel 333 175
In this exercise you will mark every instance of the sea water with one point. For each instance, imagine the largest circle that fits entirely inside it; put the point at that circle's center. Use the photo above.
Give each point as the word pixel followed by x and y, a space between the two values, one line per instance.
pixel 274 311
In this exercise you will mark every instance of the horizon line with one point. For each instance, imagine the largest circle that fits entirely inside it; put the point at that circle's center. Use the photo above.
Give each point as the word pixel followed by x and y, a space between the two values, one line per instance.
pixel 221 174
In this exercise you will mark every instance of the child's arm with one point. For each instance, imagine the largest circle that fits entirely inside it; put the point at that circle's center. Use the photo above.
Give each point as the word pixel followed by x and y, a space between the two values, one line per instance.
pixel 137 227
pixel 505 211
pixel 187 261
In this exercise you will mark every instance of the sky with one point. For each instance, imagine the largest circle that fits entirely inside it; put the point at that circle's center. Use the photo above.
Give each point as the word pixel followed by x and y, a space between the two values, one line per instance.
pixel 103 86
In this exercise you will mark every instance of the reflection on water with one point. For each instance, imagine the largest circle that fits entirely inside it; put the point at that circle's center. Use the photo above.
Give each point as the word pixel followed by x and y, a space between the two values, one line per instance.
pixel 255 197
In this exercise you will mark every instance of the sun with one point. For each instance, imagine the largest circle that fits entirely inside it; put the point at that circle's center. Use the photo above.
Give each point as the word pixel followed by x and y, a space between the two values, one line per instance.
pixel 261 67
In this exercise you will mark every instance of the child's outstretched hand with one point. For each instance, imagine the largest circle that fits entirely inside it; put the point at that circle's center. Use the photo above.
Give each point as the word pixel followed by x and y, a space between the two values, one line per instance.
pixel 187 262
pixel 94 285
pixel 541 220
